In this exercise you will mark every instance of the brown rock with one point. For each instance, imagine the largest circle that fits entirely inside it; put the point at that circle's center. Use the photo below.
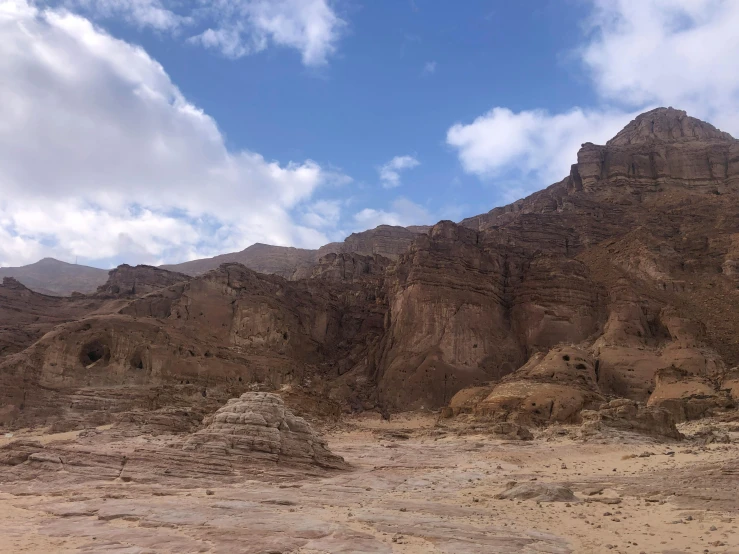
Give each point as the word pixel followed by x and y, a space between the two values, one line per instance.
pixel 540 492
pixel 258 426
pixel 688 396
pixel 628 415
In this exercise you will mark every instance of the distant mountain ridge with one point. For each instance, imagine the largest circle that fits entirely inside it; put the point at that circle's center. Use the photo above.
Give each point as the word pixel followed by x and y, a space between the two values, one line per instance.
pixel 56 278
pixel 53 277
pixel 389 241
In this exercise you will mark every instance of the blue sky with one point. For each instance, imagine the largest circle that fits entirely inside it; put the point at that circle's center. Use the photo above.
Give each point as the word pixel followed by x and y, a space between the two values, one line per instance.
pixel 404 72
pixel 153 131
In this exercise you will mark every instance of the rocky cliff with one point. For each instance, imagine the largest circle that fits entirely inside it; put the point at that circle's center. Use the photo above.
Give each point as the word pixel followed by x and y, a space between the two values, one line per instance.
pixel 618 282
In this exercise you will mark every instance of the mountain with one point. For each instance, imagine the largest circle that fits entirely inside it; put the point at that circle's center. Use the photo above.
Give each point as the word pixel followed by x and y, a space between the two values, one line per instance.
pixel 386 240
pixel 264 258
pixel 53 277
pixel 608 297
pixel 56 278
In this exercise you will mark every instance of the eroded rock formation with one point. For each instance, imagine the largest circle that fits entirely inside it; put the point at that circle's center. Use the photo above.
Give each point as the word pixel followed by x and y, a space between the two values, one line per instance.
pixel 627 266
pixel 257 425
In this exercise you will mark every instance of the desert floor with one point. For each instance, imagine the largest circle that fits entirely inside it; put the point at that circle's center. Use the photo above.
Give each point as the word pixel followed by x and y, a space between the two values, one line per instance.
pixel 415 487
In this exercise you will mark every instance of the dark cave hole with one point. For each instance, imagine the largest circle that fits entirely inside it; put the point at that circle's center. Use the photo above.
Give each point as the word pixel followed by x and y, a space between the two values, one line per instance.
pixel 94 351
pixel 581 366
pixel 566 358
pixel 284 335
pixel 136 361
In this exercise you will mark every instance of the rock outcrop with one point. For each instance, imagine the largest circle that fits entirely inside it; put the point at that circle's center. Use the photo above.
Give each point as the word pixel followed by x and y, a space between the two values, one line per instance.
pixel 343 267
pixel 549 388
pixel 142 279
pixel 687 395
pixel 628 415
pixel 258 426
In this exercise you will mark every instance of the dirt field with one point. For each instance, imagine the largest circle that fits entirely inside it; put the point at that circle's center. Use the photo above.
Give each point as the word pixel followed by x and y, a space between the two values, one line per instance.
pixel 415 488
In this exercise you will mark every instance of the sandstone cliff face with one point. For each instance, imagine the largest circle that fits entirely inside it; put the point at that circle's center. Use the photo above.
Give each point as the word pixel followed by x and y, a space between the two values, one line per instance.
pixel 389 241
pixel 193 343
pixel 627 266
pixel 142 279
pixel 651 216
pixel 343 267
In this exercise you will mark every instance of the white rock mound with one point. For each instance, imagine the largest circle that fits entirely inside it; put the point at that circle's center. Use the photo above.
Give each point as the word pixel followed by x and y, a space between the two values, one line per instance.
pixel 258 426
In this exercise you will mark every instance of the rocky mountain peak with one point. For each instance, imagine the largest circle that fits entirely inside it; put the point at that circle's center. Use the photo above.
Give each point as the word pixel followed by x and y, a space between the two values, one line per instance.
pixel 666 125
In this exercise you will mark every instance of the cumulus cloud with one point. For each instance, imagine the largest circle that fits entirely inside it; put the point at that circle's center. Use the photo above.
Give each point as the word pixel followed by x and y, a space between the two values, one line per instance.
pixel 680 53
pixel 243 27
pixel 541 146
pixel 390 172
pixel 103 157
pixel 235 28
pixel 403 212
pixel 639 54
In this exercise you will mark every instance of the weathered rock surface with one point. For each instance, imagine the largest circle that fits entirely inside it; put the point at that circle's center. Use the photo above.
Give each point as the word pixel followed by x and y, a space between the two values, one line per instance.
pixel 257 425
pixel 628 415
pixel 688 396
pixel 549 388
pixel 142 279
pixel 540 492
pixel 343 267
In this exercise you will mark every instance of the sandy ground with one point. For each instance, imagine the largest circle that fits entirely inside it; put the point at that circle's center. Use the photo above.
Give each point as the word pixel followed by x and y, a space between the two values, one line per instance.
pixel 415 488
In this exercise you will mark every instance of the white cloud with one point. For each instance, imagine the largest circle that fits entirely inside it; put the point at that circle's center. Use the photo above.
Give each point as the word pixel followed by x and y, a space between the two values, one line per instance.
pixel 102 156
pixel 640 54
pixel 429 68
pixel 322 214
pixel 681 53
pixel 244 27
pixel 235 28
pixel 541 146
pixel 403 212
pixel 390 172
pixel 141 13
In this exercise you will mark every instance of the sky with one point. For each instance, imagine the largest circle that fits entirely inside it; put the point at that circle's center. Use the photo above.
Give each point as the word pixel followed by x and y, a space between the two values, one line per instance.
pixel 159 131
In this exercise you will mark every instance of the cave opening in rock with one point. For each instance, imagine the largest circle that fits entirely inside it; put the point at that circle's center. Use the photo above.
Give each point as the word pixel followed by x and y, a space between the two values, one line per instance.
pixel 137 362
pixel 95 351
